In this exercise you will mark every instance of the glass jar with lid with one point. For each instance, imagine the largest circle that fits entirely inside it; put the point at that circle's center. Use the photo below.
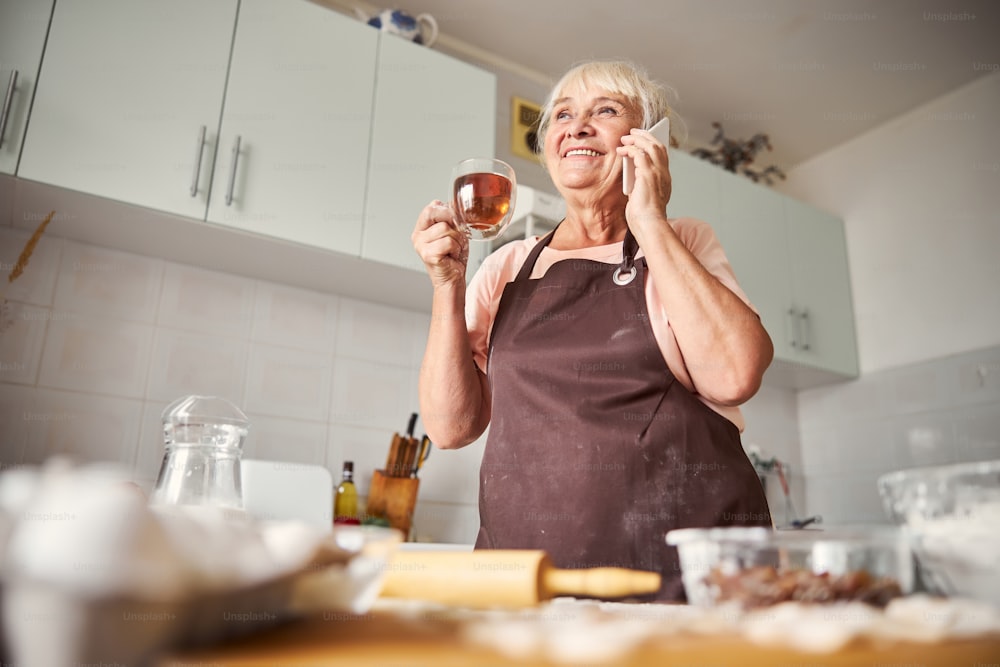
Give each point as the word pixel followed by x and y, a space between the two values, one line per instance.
pixel 203 446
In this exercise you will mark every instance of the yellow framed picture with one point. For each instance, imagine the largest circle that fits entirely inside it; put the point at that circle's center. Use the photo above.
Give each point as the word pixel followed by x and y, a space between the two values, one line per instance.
pixel 524 117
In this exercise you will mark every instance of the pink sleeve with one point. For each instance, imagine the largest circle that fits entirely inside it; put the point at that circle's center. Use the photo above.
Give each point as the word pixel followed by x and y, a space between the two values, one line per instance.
pixel 482 297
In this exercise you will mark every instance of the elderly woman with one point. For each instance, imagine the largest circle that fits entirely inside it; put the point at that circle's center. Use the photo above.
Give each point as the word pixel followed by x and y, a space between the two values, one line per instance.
pixel 608 358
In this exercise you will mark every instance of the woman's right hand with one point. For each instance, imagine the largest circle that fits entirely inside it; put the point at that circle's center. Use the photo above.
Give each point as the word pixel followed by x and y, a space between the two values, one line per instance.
pixel 442 246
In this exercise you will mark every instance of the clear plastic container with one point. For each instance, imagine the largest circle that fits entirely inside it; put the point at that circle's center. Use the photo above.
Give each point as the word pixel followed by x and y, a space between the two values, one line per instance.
pixel 758 567
pixel 203 445
pixel 953 513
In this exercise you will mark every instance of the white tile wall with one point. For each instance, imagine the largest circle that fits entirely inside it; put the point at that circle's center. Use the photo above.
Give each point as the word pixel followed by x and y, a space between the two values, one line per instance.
pixel 295 318
pixel 15 417
pixel 204 301
pixel 38 276
pixel 276 439
pixel 772 426
pixel 283 382
pixel 937 412
pixel 108 283
pixel 191 363
pixel 95 355
pixel 110 339
pixel 371 392
pixel 90 364
pixel 373 332
pixel 22 332
pixel 84 427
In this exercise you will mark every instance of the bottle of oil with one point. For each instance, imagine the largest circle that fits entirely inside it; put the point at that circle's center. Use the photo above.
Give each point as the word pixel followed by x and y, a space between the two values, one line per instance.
pixel 345 503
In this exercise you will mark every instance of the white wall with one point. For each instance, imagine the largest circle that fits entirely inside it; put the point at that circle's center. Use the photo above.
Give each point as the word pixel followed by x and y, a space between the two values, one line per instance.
pixel 920 197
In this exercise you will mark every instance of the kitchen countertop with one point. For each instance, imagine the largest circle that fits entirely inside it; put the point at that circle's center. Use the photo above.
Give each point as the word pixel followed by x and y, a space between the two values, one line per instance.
pixel 557 633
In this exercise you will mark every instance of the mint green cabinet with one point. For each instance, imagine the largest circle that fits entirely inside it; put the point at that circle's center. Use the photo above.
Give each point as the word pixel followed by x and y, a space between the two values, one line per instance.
pixel 791 260
pixel 824 332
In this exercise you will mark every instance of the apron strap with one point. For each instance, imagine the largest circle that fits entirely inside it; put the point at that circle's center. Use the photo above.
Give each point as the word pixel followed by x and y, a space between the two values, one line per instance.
pixel 626 271
pixel 623 274
pixel 529 262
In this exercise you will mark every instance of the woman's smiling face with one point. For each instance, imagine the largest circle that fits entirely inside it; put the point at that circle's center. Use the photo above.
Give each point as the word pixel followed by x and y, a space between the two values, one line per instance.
pixel 585 130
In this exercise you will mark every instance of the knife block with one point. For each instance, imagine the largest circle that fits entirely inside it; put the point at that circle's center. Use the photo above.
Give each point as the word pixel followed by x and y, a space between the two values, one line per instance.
pixel 393 498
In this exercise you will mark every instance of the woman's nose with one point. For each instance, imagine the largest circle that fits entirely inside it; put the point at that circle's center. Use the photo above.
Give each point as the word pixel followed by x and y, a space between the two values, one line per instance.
pixel 579 127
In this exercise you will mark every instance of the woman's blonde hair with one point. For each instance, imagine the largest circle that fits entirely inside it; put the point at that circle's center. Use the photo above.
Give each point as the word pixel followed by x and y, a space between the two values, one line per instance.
pixel 618 77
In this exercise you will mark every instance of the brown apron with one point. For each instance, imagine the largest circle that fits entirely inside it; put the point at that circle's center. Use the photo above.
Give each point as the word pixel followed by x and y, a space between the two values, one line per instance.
pixel 595 451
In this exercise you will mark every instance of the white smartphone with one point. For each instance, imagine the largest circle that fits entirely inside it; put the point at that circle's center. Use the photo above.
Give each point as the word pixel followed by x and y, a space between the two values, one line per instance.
pixel 662 132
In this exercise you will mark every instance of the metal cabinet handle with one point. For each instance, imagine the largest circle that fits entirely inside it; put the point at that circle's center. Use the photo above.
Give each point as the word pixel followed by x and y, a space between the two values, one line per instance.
pixel 234 161
pixel 198 150
pixel 7 99
pixel 806 328
pixel 793 321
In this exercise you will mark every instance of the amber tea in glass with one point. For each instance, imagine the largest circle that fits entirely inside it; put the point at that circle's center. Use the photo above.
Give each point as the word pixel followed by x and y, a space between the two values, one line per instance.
pixel 483 197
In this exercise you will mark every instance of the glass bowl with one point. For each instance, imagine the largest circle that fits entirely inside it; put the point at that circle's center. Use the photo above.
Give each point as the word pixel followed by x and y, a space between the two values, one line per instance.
pixel 759 567
pixel 953 515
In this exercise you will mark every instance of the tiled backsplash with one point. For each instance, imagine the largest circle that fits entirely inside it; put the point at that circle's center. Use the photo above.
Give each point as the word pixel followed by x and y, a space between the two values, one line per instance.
pixel 941 411
pixel 101 341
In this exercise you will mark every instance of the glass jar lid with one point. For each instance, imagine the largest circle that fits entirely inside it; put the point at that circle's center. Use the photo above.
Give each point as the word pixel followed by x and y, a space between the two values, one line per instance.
pixel 204 420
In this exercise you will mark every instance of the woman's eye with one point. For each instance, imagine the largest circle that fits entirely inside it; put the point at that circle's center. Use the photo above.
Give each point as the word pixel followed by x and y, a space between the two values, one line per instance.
pixel 607 111
pixel 562 115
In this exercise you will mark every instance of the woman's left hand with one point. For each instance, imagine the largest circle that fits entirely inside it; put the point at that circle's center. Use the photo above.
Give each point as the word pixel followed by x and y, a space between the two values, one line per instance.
pixel 651 191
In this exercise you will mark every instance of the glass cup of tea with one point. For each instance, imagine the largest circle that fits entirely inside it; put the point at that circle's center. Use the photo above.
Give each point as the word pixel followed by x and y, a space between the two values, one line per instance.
pixel 483 196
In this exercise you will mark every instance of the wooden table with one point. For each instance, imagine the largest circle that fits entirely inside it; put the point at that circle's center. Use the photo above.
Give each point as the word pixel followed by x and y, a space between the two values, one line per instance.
pixel 386 638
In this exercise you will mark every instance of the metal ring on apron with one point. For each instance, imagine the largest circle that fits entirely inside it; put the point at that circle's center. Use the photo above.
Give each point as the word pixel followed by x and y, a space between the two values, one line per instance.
pixel 623 279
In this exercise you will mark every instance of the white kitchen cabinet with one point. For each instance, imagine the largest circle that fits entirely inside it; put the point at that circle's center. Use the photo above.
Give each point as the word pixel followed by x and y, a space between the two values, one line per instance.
pixel 23 27
pixel 791 260
pixel 128 100
pixel 431 111
pixel 695 188
pixel 296 125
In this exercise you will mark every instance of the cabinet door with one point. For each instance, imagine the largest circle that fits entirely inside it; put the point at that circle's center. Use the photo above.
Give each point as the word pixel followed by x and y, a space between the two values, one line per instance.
pixel 299 101
pixel 821 289
pixel 431 111
pixel 23 26
pixel 125 89
pixel 694 188
pixel 752 232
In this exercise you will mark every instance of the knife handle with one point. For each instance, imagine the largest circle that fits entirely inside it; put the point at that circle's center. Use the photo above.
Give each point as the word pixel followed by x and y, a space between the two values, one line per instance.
pixel 407 457
pixel 423 453
pixel 392 462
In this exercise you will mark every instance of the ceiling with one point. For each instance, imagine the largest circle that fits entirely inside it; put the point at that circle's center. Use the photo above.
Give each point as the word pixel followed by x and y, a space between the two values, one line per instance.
pixel 810 73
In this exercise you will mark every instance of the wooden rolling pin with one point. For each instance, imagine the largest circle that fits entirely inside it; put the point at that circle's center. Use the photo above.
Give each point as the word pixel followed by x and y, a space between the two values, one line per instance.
pixel 504 578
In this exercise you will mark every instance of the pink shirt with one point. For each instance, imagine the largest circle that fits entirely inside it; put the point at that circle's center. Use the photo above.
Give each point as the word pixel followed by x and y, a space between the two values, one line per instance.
pixel 501 267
